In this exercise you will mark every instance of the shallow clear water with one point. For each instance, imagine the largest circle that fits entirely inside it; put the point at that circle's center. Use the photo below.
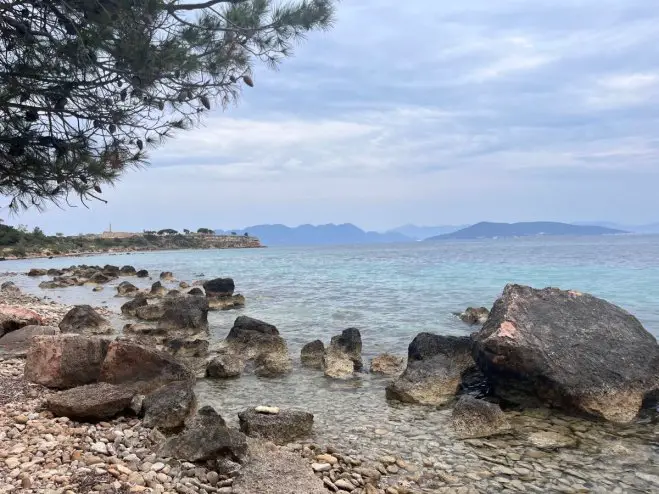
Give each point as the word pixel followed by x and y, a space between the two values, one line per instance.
pixel 391 293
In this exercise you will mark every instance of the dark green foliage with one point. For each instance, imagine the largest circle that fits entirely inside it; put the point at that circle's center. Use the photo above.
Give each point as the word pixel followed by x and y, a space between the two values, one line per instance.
pixel 88 86
pixel 206 231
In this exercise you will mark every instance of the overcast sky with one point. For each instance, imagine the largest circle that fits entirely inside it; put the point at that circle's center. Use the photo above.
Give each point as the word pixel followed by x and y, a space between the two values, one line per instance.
pixel 422 111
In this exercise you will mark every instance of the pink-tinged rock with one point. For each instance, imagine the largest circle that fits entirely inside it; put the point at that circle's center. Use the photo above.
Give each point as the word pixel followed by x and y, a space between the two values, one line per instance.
pixel 13 318
pixel 127 362
pixel 65 361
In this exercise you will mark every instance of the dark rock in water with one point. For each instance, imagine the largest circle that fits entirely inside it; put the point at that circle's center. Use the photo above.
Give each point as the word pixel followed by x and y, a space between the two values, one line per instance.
pixel 225 366
pixel 189 314
pixel 282 427
pixel 17 342
pixel 97 401
pixel 150 312
pixel 168 407
pixel 37 272
pixel 99 278
pixel 157 290
pixel 567 349
pixel 387 364
pixel 478 418
pixel 142 273
pixel 83 319
pixel 219 287
pixel 435 366
pixel 128 362
pixel 344 354
pixel 312 354
pixel 54 272
pixel 166 276
pixel 128 271
pixel 206 439
pixel 474 316
pixel 126 288
pixel 9 287
pixel 236 301
pixel 272 364
pixel 130 307
pixel 65 361
pixel 245 326
pixel 197 292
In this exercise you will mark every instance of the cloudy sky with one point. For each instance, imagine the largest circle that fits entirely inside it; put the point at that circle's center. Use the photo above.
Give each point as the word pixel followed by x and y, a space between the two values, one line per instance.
pixel 427 112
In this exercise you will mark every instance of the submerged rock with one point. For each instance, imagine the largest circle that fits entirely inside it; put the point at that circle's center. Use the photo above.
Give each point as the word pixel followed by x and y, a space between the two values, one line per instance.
pixel 97 401
pixel 567 349
pixel 473 315
pixel 435 365
pixel 282 427
pixel 226 303
pixel 83 319
pixel 65 361
pixel 387 364
pixel 37 272
pixel 166 276
pixel 312 354
pixel 478 418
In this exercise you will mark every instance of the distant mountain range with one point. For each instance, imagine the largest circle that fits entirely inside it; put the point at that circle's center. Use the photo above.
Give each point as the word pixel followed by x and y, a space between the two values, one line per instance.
pixel 503 230
pixel 647 229
pixel 423 232
pixel 272 235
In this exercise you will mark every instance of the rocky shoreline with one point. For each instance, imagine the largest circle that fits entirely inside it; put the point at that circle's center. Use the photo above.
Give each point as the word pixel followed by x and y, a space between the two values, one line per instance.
pixel 470 446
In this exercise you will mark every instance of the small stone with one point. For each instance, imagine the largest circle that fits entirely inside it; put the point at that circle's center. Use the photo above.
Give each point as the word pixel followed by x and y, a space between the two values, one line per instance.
pixel 387 460
pixel 321 467
pixel 212 478
pixel 156 467
pixel 26 482
pixel 100 448
pixel 21 419
pixel 501 470
pixel 13 462
pixel 344 484
pixel 326 458
pixel 392 469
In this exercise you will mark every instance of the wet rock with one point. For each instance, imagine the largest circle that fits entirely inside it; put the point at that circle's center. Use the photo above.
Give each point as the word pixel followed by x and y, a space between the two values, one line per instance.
pixel 435 365
pixel 128 362
pixel 344 354
pixel 157 290
pixel 127 271
pixel 191 352
pixel 206 438
pixel 13 318
pixel 55 272
pixel 166 276
pixel 478 418
pixel 111 270
pixel 474 315
pixel 83 319
pixel 312 354
pixel 196 291
pixel 150 312
pixel 169 406
pixel 187 314
pixel 281 428
pixel 219 287
pixel 567 349
pixel 99 277
pixel 245 328
pixel 142 273
pixel 126 288
pixel 272 364
pixel 388 364
pixel 274 471
pixel 225 366
pixel 65 361
pixel 17 342
pixel 97 401
pixel 551 440
pixel 37 272
pixel 226 303
pixel 130 307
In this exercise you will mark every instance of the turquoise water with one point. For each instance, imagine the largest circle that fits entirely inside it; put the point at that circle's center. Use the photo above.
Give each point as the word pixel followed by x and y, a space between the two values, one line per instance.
pixel 392 292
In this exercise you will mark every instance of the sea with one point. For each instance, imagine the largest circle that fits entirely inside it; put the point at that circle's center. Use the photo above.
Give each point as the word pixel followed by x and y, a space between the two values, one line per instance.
pixel 389 292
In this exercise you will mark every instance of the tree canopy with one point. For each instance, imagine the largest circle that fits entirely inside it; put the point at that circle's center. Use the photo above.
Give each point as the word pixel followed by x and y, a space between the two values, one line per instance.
pixel 88 86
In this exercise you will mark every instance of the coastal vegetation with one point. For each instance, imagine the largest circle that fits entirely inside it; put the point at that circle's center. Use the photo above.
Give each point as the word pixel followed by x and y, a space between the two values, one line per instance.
pixel 89 86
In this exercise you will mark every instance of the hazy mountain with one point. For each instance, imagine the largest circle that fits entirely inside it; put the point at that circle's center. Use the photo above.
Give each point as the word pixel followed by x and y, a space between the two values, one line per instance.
pixel 424 232
pixel 492 230
pixel 331 234
pixel 649 228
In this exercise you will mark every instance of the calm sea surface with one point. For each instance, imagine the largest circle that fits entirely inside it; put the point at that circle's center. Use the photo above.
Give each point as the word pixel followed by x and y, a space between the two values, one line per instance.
pixel 391 293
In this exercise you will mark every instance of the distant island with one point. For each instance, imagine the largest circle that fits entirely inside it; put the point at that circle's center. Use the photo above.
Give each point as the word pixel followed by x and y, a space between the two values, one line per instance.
pixel 345 234
pixel 526 229
pixel 415 232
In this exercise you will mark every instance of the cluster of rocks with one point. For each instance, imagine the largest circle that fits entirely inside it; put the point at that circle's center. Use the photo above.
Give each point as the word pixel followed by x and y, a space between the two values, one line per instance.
pixel 540 347
pixel 82 274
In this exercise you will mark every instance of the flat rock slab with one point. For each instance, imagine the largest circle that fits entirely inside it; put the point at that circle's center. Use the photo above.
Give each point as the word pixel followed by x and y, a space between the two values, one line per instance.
pixel 98 401
pixel 280 428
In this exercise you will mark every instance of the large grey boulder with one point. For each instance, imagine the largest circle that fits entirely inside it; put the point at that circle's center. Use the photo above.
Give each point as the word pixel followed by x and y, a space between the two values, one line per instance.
pixel 206 438
pixel 435 365
pixel 225 365
pixel 388 364
pixel 83 319
pixel 478 418
pixel 312 354
pixel 282 427
pixel 17 342
pixel 219 287
pixel 344 355
pixel 97 401
pixel 169 406
pixel 258 341
pixel 567 349
pixel 65 361
pixel 130 307
pixel 185 314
